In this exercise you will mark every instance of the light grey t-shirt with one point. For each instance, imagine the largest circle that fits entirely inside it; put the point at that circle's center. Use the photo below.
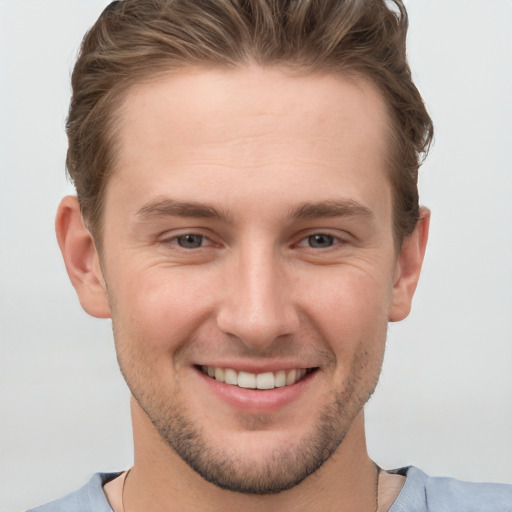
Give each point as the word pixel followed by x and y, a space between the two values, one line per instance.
pixel 420 493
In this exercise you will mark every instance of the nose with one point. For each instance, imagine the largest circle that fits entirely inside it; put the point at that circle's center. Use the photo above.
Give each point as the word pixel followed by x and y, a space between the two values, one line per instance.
pixel 257 306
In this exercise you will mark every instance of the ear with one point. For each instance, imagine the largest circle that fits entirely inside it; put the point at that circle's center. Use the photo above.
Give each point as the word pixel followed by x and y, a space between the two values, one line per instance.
pixel 408 267
pixel 81 258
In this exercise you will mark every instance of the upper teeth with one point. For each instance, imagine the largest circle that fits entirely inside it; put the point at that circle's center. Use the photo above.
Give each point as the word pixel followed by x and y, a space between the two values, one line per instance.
pixel 268 380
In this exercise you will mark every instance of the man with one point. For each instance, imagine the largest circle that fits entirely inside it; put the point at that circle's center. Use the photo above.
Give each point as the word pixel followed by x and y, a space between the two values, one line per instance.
pixel 248 216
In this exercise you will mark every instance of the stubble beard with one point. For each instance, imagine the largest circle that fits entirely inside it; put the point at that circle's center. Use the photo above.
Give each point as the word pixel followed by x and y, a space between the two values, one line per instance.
pixel 285 467
pixel 232 470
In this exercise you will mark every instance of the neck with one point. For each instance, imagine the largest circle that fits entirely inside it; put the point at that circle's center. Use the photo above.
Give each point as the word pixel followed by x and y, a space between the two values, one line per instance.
pixel 159 477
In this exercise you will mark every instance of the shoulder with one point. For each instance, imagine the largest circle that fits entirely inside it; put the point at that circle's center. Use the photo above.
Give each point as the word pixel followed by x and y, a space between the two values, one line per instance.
pixel 423 493
pixel 89 498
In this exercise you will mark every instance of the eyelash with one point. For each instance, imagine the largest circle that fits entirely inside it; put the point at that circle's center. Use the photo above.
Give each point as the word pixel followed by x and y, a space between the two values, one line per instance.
pixel 175 240
pixel 332 239
pixel 303 242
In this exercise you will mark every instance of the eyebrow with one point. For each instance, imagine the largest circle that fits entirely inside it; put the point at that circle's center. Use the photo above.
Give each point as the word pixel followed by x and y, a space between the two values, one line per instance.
pixel 172 208
pixel 167 207
pixel 333 208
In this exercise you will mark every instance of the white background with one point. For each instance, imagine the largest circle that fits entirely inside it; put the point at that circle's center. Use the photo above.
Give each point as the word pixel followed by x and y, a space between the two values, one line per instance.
pixel 445 398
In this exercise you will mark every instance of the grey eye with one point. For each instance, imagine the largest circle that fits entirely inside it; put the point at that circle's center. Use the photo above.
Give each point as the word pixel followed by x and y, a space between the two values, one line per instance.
pixel 320 241
pixel 190 241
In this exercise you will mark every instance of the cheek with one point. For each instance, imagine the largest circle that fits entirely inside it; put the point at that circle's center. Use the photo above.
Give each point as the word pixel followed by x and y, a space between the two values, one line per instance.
pixel 350 310
pixel 159 311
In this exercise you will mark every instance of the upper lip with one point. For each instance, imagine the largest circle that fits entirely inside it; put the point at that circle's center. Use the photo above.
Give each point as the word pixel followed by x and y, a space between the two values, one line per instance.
pixel 251 367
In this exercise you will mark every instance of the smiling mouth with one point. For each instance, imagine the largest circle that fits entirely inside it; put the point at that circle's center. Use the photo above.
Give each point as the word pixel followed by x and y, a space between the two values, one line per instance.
pixel 247 380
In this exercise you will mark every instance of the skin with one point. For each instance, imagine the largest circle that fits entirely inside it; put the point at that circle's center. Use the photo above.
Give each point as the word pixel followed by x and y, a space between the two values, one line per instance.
pixel 269 172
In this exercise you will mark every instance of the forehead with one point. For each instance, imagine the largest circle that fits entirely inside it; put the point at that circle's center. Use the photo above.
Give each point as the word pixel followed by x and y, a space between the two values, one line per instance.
pixel 195 103
pixel 251 129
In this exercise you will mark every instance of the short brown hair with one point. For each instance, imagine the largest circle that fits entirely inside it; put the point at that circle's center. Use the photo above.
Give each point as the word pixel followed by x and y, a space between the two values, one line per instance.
pixel 137 40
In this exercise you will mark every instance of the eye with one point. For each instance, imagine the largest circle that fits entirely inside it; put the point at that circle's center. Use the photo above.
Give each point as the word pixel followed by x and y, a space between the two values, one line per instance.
pixel 190 241
pixel 319 241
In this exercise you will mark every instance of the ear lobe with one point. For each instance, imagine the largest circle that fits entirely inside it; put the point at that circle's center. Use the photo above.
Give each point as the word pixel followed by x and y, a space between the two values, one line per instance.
pixel 408 268
pixel 81 258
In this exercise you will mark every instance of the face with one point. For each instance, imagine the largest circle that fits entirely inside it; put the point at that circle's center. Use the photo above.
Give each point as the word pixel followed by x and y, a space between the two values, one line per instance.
pixel 250 266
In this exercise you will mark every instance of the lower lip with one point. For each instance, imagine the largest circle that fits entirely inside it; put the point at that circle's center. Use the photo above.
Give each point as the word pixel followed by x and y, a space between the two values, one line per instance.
pixel 256 400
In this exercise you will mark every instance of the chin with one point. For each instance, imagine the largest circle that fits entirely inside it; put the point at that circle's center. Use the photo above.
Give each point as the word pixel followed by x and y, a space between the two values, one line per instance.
pixel 256 460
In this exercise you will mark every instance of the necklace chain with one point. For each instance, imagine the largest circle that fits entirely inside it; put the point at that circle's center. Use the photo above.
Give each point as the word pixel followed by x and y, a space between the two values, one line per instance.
pixel 122 490
pixel 377 475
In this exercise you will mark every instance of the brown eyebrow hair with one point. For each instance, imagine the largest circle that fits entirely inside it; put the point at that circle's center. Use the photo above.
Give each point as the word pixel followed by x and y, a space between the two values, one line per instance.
pixel 167 207
pixel 333 208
